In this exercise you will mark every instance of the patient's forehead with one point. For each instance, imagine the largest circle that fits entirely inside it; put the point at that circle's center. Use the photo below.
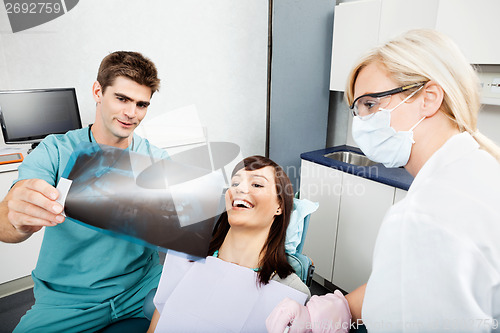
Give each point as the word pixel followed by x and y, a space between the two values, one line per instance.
pixel 266 173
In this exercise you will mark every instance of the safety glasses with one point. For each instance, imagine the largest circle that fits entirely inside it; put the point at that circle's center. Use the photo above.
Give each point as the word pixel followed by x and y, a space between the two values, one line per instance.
pixel 368 104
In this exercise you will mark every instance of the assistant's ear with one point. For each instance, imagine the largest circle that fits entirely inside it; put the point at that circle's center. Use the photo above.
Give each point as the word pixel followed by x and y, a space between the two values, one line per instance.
pixel 97 91
pixel 278 211
pixel 433 95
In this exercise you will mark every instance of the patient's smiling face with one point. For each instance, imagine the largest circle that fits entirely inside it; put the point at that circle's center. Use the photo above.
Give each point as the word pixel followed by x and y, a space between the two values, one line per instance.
pixel 252 200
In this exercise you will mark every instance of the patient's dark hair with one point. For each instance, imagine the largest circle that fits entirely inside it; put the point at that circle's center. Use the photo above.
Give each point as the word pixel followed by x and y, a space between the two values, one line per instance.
pixel 131 65
pixel 274 258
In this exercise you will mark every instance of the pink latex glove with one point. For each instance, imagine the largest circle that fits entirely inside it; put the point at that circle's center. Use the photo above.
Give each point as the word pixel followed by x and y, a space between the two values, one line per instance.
pixel 327 314
pixel 286 312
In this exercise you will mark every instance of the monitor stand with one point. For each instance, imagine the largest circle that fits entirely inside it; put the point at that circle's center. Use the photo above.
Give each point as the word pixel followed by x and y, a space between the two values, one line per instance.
pixel 33 146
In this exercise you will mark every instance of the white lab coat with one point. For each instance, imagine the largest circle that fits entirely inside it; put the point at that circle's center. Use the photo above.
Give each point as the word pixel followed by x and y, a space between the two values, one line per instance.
pixel 436 264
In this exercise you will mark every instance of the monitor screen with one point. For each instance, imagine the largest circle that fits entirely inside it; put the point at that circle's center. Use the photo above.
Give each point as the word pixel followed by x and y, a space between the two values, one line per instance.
pixel 28 116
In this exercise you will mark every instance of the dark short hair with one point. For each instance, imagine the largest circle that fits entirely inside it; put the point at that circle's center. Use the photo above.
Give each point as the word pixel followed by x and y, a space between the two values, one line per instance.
pixel 274 258
pixel 132 65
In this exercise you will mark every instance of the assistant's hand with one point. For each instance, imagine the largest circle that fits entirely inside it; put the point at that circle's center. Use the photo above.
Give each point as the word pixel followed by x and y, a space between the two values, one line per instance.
pixel 288 313
pixel 328 313
pixel 31 206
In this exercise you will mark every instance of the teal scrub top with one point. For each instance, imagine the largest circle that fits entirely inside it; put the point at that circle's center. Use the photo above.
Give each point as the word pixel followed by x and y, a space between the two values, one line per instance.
pixel 77 264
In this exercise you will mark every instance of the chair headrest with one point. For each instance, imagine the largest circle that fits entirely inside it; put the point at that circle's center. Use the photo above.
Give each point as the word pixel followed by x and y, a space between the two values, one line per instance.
pixel 301 208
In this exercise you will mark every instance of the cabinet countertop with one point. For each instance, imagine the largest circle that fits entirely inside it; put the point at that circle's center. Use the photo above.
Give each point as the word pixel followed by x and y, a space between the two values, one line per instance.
pixel 10 167
pixel 397 177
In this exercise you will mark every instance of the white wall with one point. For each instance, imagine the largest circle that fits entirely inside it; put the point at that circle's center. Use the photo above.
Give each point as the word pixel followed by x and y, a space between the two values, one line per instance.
pixel 209 53
pixel 488 122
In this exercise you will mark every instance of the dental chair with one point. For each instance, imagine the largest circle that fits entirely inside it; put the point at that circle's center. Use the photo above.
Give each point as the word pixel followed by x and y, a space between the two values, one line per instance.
pixel 295 238
pixel 302 264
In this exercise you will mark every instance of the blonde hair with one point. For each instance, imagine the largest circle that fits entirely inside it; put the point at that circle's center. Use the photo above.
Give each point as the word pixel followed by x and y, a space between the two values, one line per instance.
pixel 423 55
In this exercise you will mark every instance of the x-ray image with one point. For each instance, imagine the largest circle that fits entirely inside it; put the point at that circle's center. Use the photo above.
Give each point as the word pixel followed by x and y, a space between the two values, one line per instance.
pixel 163 203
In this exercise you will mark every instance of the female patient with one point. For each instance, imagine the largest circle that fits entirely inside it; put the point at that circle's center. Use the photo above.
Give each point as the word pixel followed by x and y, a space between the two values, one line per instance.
pixel 251 233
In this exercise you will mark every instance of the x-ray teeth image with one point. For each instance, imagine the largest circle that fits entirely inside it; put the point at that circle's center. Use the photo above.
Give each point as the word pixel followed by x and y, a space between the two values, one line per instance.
pixel 160 203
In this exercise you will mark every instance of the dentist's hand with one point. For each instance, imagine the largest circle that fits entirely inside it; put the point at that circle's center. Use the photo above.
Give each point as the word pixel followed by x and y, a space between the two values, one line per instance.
pixel 31 206
pixel 328 313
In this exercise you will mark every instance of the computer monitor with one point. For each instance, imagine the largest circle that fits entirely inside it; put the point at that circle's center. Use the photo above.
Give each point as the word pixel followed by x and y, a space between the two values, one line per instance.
pixel 28 116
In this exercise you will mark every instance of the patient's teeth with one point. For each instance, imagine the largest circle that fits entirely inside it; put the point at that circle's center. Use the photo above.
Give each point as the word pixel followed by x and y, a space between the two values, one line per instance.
pixel 242 202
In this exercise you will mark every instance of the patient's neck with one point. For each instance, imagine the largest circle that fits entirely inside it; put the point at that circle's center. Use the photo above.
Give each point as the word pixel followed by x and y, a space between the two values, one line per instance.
pixel 243 247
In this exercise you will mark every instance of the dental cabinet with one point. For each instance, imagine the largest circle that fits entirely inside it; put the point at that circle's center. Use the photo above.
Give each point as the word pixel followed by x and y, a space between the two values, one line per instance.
pixel 471 24
pixel 353 201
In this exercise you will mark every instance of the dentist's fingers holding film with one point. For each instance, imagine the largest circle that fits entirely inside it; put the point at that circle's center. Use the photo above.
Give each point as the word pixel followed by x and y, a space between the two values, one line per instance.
pixel 32 205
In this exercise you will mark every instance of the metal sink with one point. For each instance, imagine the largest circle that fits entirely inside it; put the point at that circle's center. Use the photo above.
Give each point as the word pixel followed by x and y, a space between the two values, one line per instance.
pixel 351 158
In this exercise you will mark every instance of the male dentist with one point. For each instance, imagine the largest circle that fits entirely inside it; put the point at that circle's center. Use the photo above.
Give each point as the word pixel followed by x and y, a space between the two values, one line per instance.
pixel 85 280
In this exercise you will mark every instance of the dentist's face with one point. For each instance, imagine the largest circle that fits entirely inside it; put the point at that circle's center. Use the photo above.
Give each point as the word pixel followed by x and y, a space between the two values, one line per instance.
pixel 121 107
pixel 374 78
pixel 252 200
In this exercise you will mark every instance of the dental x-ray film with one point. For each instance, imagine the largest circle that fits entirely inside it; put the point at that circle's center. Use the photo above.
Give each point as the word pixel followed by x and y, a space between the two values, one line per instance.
pixel 164 204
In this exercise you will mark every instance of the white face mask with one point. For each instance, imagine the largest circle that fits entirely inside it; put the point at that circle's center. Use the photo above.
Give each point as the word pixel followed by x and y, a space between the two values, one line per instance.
pixel 379 141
